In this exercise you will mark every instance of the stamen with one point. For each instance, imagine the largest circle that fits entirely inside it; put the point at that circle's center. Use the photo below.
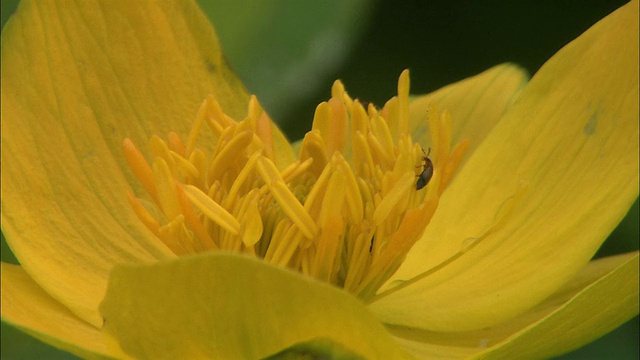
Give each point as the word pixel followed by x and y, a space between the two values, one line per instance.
pixel 346 212
pixel 393 197
pixel 250 219
pixel 323 267
pixel 403 103
pixel 228 154
pixel 295 169
pixel 288 246
pixel 212 210
pixel 362 156
pixel 352 193
pixel 160 150
pixel 313 201
pixel 242 178
pixel 264 132
pixel 199 161
pixel 313 147
pixel 197 126
pixel 380 132
pixel 333 199
pixel 193 221
pixel 277 238
pixel 176 236
pixel 384 159
pixel 287 201
pixel 176 145
pixel 330 124
pixel 143 214
pixel 166 190
pixel 183 164
pixel 359 118
pixel 140 167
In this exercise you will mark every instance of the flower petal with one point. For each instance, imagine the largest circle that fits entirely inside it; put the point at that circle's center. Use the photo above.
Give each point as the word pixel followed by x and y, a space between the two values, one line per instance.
pixel 581 317
pixel 568 319
pixel 246 310
pixel 77 78
pixel 540 193
pixel 26 306
pixel 476 104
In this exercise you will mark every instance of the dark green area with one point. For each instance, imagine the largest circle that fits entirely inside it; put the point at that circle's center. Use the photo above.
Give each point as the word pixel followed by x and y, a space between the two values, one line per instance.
pixel 7 7
pixel 17 345
pixel 440 42
pixel 316 349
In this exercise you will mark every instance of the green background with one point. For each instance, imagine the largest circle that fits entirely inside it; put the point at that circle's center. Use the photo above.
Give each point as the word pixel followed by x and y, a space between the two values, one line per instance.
pixel 289 52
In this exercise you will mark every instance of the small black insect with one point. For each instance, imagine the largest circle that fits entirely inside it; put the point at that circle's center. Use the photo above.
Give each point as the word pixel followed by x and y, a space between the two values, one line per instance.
pixel 427 171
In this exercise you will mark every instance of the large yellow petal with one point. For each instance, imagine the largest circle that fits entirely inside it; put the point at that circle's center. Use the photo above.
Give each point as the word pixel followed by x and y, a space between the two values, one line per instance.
pixel 581 317
pixel 476 104
pixel 542 191
pixel 246 309
pixel 78 77
pixel 27 306
pixel 570 318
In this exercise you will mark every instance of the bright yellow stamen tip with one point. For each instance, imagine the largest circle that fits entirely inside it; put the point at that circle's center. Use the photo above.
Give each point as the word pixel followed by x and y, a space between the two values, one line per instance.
pixel 346 212
pixel 212 210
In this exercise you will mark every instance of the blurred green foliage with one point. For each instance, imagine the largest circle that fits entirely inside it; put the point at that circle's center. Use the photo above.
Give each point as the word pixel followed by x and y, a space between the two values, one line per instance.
pixel 283 49
pixel 289 52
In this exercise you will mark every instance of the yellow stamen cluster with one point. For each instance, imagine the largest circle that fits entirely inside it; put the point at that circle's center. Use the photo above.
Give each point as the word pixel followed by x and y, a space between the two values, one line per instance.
pixel 346 212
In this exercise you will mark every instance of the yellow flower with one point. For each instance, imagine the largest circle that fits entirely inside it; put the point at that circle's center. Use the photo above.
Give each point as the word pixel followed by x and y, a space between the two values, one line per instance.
pixel 490 260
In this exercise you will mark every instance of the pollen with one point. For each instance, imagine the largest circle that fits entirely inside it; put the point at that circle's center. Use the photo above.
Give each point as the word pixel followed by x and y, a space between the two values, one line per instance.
pixel 347 211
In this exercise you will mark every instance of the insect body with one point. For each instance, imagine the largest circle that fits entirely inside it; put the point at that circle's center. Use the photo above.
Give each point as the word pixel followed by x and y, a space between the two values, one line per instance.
pixel 427 171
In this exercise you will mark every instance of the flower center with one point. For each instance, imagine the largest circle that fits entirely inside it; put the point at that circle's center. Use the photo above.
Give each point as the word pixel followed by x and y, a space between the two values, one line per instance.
pixel 347 211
